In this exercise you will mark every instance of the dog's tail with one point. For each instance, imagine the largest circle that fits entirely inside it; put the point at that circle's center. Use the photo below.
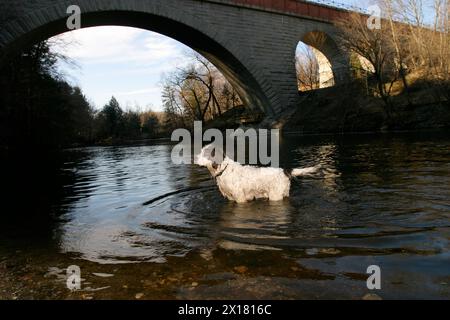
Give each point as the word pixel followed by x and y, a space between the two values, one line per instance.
pixel 304 171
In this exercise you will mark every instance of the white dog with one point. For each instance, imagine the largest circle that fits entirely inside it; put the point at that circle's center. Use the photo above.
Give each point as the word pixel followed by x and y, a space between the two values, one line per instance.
pixel 246 183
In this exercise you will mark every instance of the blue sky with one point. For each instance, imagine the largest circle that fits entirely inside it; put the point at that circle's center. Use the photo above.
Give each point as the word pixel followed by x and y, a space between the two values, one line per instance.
pixel 125 62
pixel 128 63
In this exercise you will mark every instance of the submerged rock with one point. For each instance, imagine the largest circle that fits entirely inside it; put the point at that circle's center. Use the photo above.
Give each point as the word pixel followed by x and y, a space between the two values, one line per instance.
pixel 139 296
pixel 241 269
pixel 372 297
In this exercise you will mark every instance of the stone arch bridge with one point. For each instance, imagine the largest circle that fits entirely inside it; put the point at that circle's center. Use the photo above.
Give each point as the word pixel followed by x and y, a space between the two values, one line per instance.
pixel 252 42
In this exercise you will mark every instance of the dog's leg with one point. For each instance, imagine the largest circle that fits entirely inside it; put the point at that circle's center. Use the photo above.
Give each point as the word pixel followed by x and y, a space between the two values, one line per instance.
pixel 276 197
pixel 240 198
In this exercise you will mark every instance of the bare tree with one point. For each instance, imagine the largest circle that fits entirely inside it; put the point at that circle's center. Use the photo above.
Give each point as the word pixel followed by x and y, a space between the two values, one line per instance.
pixel 307 66
pixel 398 38
pixel 229 98
pixel 198 91
pixel 376 47
pixel 427 42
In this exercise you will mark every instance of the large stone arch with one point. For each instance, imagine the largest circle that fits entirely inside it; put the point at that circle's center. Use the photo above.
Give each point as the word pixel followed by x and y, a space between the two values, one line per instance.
pixel 33 22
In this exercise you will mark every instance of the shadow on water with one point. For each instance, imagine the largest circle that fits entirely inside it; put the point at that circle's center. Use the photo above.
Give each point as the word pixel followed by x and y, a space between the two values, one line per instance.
pixel 165 229
pixel 36 191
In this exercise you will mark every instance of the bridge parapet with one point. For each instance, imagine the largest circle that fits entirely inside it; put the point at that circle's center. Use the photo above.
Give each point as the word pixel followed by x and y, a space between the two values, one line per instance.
pixel 323 10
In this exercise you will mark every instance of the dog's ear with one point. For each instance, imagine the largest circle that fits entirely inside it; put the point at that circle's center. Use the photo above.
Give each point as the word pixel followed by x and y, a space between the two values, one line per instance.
pixel 213 155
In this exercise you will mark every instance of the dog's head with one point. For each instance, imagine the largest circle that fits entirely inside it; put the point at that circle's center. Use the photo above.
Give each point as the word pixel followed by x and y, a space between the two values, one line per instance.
pixel 211 157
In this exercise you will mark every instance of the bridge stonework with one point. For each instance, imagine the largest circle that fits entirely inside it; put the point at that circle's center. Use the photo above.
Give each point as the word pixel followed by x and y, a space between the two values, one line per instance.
pixel 254 46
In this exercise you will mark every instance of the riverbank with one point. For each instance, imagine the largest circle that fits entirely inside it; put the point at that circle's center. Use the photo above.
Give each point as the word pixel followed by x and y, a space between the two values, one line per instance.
pixel 338 110
pixel 335 110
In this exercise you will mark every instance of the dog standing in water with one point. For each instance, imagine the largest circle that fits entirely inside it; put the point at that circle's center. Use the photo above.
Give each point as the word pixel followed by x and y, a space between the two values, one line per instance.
pixel 246 183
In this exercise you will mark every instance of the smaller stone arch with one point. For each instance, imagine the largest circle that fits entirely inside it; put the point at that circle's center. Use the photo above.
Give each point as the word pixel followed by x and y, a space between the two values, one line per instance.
pixel 333 61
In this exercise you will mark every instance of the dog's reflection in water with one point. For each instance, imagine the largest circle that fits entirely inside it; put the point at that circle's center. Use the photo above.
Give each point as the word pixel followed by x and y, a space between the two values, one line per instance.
pixel 253 226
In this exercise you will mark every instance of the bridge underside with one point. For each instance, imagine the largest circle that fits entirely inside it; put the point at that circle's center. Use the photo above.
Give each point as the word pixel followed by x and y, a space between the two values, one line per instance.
pixel 254 49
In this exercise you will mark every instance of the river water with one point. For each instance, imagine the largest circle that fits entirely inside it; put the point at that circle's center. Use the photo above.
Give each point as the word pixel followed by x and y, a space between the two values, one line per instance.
pixel 140 227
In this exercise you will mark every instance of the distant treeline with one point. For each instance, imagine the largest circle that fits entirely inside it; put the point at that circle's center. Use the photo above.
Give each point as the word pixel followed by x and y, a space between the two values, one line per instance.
pixel 39 108
pixel 112 124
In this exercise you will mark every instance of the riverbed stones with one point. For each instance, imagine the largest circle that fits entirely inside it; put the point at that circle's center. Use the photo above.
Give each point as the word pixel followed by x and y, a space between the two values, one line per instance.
pixel 372 297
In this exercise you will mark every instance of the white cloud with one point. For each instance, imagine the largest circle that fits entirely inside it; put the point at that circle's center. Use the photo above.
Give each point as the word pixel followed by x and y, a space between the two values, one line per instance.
pixel 121 61
pixel 99 42
pixel 120 45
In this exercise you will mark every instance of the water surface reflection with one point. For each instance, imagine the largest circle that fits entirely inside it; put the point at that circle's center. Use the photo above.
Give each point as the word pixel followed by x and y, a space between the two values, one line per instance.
pixel 378 200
